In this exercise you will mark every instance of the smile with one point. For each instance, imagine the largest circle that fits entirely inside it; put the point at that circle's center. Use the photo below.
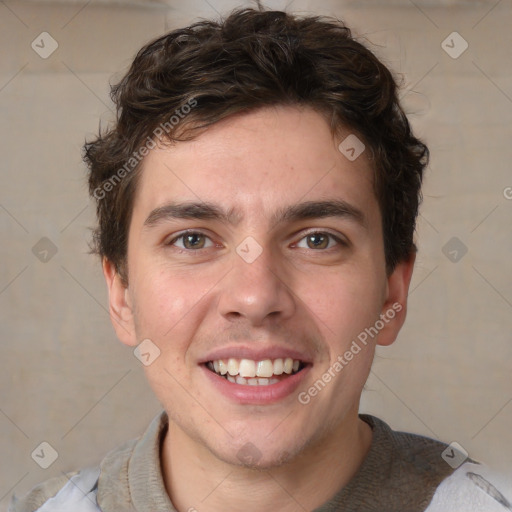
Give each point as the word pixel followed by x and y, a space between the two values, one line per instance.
pixel 255 373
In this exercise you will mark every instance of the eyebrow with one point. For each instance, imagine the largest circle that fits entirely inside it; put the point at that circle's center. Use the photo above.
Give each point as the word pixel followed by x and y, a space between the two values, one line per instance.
pixel 318 210
pixel 190 210
pixel 303 211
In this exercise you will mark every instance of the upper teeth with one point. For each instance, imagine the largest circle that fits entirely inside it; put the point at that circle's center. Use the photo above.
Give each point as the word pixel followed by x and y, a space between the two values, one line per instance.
pixel 250 368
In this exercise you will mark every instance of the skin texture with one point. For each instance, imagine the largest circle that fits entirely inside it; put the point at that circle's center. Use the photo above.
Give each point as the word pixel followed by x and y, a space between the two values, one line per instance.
pixel 314 295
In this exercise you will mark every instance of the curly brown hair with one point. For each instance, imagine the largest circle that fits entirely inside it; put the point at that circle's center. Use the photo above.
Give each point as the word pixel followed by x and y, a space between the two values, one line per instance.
pixel 190 78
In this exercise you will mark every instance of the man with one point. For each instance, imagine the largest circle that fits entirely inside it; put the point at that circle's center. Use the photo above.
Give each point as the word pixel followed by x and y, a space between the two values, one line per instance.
pixel 257 200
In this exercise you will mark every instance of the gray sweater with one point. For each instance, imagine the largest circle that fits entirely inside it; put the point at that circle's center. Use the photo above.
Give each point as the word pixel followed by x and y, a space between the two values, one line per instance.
pixel 401 473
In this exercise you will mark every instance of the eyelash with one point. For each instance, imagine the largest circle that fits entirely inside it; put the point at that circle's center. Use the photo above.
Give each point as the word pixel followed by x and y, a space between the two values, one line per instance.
pixel 181 236
pixel 339 241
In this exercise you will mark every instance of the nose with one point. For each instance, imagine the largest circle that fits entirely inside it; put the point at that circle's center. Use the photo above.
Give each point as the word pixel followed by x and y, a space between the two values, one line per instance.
pixel 257 292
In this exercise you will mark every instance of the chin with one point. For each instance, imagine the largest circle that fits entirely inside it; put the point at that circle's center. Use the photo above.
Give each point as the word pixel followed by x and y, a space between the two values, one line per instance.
pixel 249 457
pixel 258 455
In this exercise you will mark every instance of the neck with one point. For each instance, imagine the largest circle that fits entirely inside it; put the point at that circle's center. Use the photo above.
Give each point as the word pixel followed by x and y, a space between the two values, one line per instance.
pixel 196 480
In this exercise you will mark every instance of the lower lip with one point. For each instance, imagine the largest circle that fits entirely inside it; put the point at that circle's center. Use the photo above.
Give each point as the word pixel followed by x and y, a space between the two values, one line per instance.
pixel 257 395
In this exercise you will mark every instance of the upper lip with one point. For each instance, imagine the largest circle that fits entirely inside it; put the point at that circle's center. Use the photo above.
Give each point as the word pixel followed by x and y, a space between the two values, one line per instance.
pixel 255 354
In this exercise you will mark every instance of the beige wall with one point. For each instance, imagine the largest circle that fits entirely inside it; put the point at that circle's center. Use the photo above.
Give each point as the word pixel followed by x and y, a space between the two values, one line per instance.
pixel 66 380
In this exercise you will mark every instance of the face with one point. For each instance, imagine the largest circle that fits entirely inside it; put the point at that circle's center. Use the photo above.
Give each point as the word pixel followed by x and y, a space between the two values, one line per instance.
pixel 255 262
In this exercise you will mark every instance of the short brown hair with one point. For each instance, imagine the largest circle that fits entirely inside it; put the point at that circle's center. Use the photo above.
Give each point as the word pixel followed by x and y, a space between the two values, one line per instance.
pixel 252 59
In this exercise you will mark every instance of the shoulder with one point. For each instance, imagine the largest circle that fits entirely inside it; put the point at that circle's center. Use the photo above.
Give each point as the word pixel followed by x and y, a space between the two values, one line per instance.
pixel 107 484
pixel 419 466
pixel 38 495
pixel 75 491
pixel 409 452
pixel 473 487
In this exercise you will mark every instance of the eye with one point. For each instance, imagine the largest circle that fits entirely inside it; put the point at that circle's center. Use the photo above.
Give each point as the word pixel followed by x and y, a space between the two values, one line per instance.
pixel 319 240
pixel 191 240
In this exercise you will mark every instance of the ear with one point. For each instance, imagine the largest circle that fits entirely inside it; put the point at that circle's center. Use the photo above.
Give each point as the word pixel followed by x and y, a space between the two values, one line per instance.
pixel 120 307
pixel 394 309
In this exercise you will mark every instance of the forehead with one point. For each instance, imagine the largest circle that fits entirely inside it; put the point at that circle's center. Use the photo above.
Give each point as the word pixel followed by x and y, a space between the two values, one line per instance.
pixel 257 162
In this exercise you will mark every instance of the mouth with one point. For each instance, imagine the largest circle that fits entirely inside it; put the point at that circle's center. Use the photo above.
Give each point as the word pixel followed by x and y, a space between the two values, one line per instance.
pixel 248 372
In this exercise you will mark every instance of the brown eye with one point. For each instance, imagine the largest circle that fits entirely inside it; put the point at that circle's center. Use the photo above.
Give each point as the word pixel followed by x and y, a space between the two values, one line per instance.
pixel 317 241
pixel 192 241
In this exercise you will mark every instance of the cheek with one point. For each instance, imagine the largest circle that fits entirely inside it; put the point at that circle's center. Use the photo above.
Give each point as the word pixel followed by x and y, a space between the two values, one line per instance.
pixel 345 302
pixel 164 305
